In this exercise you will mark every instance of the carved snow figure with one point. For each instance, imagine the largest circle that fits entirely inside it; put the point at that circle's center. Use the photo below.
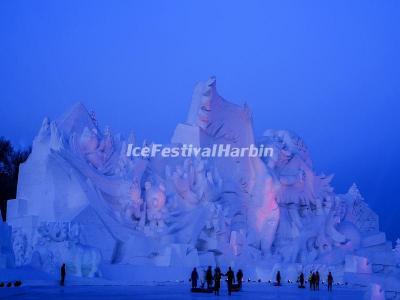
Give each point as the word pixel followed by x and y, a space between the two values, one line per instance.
pixel 264 215
pixel 58 243
pixel 155 205
pixel 20 247
pixel 58 232
pixel 191 182
pixel 81 260
pixel 97 150
pixel 88 141
pixel 183 179
pixel 106 146
pixel 135 209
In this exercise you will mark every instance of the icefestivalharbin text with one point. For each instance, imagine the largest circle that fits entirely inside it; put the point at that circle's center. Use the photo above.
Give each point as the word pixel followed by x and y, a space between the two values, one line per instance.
pixel 184 150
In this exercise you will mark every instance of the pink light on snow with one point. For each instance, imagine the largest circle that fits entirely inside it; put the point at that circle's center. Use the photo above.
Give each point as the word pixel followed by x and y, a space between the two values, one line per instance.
pixel 268 206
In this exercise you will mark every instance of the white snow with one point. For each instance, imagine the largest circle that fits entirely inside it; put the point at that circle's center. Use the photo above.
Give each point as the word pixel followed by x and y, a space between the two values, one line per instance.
pixel 168 291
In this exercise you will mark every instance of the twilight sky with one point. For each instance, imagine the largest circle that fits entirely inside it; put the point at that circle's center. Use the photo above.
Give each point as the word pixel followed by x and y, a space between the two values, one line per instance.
pixel 327 70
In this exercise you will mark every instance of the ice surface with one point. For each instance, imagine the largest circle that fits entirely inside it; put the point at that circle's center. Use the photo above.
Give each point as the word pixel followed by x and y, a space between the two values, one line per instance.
pixel 168 291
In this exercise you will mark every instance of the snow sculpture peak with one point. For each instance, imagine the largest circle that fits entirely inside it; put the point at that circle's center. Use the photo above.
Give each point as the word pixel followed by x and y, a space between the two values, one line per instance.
pixel 355 192
pixel 76 119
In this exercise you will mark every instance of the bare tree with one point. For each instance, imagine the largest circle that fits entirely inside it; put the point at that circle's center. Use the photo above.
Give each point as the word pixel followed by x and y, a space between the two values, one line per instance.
pixel 10 159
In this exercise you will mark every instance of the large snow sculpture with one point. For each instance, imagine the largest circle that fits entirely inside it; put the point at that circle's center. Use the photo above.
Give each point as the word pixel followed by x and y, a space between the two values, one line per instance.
pixel 83 201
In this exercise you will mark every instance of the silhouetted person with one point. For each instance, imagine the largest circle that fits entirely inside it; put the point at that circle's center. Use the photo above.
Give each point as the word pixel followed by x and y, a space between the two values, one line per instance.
pixel 62 273
pixel 209 277
pixel 231 279
pixel 278 278
pixel 330 281
pixel 301 279
pixel 194 277
pixel 239 277
pixel 317 281
pixel 310 280
pixel 313 279
pixel 217 280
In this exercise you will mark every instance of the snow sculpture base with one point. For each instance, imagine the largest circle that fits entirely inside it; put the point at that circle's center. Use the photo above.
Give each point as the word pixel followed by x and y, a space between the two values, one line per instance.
pixel 6 252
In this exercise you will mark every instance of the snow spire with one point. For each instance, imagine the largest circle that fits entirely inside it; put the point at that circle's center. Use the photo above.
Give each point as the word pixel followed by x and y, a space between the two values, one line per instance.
pixel 355 192
pixel 92 115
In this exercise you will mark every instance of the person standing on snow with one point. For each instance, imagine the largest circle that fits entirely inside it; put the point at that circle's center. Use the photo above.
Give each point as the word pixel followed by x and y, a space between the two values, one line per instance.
pixel 209 277
pixel 239 277
pixel 194 277
pixel 217 280
pixel 330 282
pixel 62 273
pixel 231 279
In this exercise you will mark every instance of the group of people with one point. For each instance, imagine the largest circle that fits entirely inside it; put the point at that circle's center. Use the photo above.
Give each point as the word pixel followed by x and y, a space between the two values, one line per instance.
pixel 313 279
pixel 213 280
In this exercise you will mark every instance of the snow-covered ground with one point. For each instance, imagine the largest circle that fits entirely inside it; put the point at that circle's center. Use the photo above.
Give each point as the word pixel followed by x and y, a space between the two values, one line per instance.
pixel 173 291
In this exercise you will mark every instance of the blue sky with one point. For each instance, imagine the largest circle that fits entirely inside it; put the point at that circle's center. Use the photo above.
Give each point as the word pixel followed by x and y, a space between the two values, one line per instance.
pixel 327 70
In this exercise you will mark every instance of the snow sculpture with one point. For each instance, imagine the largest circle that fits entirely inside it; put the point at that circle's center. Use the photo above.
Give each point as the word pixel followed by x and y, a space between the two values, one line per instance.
pixel 83 261
pixel 58 243
pixel 7 259
pixel 20 247
pixel 396 250
pixel 375 292
pixel 155 205
pixel 135 209
pixel 83 201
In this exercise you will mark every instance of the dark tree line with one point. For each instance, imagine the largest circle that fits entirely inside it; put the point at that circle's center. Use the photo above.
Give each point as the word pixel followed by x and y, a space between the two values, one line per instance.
pixel 10 159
